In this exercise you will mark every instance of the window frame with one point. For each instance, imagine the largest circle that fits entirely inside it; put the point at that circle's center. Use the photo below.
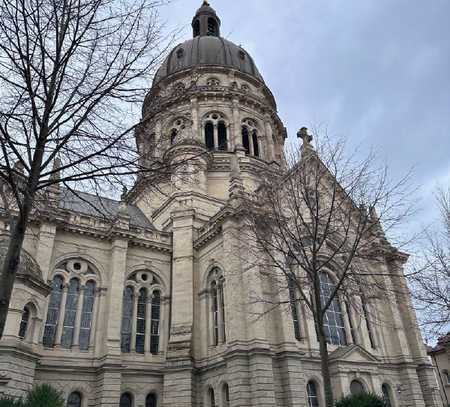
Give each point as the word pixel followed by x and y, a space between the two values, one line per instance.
pixel 313 399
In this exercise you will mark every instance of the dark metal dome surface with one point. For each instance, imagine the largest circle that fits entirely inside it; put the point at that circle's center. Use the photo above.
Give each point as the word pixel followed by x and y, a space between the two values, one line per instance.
pixel 207 51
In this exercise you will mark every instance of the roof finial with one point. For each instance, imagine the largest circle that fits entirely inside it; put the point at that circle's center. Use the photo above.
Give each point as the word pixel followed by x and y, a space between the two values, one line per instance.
pixel 305 136
pixel 205 3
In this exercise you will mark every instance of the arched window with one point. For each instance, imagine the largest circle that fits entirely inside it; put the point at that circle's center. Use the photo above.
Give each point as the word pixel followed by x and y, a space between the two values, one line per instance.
pixel 245 140
pixel 196 28
pixel 212 26
pixel 141 319
pixel 24 323
pixel 217 304
pixel 74 400
pixel 86 314
pixel 222 130
pixel 126 400
pixel 226 395
pixel 127 319
pixel 333 321
pixel 211 397
pixel 70 314
pixel 255 143
pixel 386 390
pixel 151 400
pixel 173 136
pixel 215 312
pixel 356 387
pixel 294 306
pixel 155 322
pixel 53 311
pixel 209 136
pixel 350 321
pixel 313 396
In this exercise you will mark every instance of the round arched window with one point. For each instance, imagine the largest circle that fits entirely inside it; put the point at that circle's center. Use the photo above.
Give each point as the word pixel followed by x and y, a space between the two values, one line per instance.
pixel 126 400
pixel 356 387
pixel 74 400
pixel 386 390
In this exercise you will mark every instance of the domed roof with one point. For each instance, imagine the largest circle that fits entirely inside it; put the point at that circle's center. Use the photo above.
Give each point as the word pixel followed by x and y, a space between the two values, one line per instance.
pixel 207 51
pixel 207 48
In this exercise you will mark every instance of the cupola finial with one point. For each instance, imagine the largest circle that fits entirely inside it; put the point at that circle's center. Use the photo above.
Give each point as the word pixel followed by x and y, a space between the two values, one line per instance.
pixel 206 22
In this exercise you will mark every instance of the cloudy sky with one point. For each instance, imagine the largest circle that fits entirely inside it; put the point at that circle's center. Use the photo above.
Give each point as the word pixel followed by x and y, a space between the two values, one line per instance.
pixel 377 72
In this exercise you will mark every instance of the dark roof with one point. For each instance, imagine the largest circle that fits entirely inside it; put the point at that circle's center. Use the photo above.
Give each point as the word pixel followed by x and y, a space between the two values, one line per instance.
pixel 94 205
pixel 442 343
pixel 207 51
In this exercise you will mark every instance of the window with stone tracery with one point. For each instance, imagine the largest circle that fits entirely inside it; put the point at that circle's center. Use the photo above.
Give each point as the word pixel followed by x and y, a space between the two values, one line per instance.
pixel 334 319
pixel 217 306
pixel 250 138
pixel 215 132
pixel 70 313
pixel 141 314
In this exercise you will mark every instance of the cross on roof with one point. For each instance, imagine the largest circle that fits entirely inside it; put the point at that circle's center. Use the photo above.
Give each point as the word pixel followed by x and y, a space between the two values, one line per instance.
pixel 303 134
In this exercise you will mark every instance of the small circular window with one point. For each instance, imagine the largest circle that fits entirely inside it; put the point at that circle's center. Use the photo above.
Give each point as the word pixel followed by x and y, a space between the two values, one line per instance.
pixel 242 55
pixel 77 266
pixel 144 277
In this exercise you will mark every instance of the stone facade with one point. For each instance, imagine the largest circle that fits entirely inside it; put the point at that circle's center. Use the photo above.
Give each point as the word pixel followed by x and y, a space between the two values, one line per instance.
pixel 440 356
pixel 178 244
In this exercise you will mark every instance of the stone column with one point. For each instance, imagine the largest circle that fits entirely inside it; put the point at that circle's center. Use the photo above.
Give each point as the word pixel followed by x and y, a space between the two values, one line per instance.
pixel 113 318
pixel 269 139
pixel 236 124
pixel 178 380
pixel 46 242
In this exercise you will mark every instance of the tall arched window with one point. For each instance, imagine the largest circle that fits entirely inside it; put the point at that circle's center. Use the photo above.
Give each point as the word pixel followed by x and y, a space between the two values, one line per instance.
pixel 74 400
pixel 86 314
pixel 386 390
pixel 350 321
pixel 211 397
pixel 245 140
pixel 151 400
pixel 141 319
pixel 255 143
pixel 155 322
pixel 313 396
pixel 70 314
pixel 53 311
pixel 222 310
pixel 24 323
pixel 226 395
pixel 356 387
pixel 215 312
pixel 127 319
pixel 209 136
pixel 294 306
pixel 222 131
pixel 334 320
pixel 126 400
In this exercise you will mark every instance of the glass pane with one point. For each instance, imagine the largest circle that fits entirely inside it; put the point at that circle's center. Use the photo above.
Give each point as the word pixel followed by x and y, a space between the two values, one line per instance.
pixel 356 387
pixel 151 400
pixel 313 399
pixel 24 323
pixel 255 144
pixel 386 395
pixel 222 129
pixel 86 315
pixel 209 136
pixel 74 400
pixel 155 322
pixel 70 313
pixel 333 319
pixel 126 400
pixel 245 140
pixel 54 306
pixel 141 320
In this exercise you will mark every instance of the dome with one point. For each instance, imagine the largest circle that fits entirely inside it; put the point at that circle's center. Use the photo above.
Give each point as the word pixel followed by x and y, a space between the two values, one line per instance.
pixel 207 51
pixel 27 265
pixel 207 48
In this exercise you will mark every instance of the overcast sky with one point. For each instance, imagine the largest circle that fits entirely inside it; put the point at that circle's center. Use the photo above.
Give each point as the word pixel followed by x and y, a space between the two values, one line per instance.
pixel 376 71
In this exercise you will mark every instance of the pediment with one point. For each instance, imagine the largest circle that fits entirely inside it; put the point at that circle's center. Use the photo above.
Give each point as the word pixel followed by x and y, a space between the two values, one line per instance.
pixel 352 353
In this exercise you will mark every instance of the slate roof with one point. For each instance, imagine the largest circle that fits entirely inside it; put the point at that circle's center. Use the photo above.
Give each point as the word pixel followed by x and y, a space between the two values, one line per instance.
pixel 94 205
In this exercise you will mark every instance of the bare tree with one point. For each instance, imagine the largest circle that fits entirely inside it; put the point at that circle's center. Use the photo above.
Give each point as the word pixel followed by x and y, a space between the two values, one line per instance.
pixel 429 278
pixel 325 214
pixel 70 72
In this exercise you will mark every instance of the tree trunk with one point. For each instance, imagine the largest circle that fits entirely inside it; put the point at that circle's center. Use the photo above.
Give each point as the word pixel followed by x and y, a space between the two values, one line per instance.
pixel 10 266
pixel 324 365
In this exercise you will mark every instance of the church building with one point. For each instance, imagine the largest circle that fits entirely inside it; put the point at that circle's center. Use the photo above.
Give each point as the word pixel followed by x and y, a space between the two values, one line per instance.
pixel 147 307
